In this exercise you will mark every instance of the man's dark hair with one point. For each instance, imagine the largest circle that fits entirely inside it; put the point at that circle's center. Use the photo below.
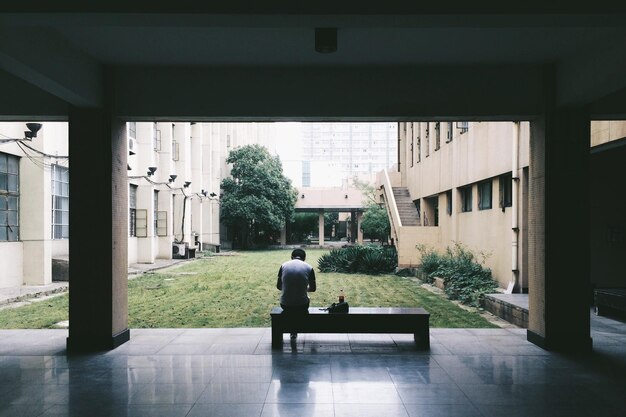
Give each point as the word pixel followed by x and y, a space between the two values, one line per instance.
pixel 298 253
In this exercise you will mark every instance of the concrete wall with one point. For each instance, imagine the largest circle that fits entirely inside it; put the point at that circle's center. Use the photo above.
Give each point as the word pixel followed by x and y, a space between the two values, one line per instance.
pixel 604 131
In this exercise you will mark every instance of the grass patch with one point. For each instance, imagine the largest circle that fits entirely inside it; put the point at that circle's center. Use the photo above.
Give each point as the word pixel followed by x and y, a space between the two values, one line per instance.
pixel 239 291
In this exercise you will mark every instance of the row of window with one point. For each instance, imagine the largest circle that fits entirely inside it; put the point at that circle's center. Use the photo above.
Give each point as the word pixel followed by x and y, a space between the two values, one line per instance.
pixel 10 198
pixel 414 131
pixel 466 199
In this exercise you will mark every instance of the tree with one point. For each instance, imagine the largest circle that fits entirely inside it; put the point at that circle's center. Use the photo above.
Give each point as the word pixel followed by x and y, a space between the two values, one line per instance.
pixel 375 222
pixel 257 199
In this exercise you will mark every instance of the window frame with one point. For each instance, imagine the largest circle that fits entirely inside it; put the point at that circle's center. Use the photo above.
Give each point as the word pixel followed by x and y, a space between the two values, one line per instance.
pixel 483 186
pixel 505 182
pixel 132 210
pixel 466 199
pixel 62 198
pixel 10 198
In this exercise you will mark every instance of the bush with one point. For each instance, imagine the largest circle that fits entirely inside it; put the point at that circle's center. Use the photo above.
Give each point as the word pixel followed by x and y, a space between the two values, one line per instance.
pixel 430 263
pixel 367 259
pixel 465 278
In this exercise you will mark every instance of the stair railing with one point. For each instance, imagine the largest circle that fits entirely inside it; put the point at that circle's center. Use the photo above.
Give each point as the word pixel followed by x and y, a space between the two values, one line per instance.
pixel 392 207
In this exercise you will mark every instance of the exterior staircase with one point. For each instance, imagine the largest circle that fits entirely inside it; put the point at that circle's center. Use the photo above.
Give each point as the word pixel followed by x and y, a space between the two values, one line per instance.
pixel 406 207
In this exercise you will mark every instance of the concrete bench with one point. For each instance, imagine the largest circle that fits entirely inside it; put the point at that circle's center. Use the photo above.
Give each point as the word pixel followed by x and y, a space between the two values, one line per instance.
pixel 358 320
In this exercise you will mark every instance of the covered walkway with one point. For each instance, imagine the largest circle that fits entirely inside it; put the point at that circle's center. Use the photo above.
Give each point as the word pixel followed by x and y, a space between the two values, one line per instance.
pixel 234 372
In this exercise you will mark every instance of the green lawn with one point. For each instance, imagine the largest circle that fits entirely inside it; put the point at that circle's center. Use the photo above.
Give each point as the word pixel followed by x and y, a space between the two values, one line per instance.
pixel 240 290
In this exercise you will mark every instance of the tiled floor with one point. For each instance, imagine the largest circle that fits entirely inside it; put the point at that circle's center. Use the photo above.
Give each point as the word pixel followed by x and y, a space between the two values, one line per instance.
pixel 233 372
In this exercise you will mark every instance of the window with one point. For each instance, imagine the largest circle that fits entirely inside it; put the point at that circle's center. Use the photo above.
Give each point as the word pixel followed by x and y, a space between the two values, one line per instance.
pixel 427 143
pixel 418 151
pixel 60 202
pixel 132 205
pixel 449 202
pixel 156 138
pixel 411 147
pixel 484 195
pixel 156 210
pixel 506 190
pixel 466 199
pixel 9 198
pixel 449 132
pixel 437 136
pixel 462 126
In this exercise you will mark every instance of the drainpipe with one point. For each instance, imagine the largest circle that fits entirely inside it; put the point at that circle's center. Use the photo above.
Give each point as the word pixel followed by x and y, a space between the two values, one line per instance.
pixel 514 210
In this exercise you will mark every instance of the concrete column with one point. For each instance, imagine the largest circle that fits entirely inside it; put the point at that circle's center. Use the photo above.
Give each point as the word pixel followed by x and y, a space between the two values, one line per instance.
pixel 98 304
pixel 321 227
pixel 283 235
pixel 558 230
pixel 359 217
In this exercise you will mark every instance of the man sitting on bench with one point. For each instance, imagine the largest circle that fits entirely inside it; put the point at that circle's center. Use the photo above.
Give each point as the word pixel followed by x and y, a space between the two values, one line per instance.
pixel 296 279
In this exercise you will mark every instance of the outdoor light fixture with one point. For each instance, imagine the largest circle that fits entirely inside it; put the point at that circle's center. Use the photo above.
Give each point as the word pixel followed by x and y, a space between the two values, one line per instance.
pixel 187 184
pixel 33 128
pixel 346 196
pixel 325 40
pixel 302 196
pixel 172 177
pixel 29 134
pixel 212 195
pixel 151 171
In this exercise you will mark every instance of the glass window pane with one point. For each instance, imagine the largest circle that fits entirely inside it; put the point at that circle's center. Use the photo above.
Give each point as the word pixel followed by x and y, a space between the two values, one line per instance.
pixel 65 189
pixel 14 165
pixel 3 202
pixel 3 217
pixel 65 218
pixel 66 175
pixel 3 182
pixel 12 203
pixel 58 217
pixel 3 163
pixel 13 233
pixel 12 183
pixel 66 232
pixel 3 233
pixel 65 204
pixel 12 218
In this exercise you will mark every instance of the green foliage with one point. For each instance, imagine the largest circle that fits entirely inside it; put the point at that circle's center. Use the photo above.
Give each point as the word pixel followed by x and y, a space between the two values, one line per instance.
pixel 465 277
pixel 366 259
pixel 257 198
pixel 303 225
pixel 430 263
pixel 375 223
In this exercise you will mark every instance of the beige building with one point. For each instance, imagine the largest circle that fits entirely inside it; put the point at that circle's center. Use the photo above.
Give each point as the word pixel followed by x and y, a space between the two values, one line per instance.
pixel 468 183
pixel 462 182
pixel 174 179
pixel 34 202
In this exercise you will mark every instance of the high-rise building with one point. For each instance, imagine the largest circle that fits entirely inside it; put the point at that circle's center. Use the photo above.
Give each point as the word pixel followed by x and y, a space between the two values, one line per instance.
pixel 346 150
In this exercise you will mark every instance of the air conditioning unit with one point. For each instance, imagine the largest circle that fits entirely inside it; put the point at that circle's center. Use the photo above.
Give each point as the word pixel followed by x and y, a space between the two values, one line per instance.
pixel 132 146
pixel 179 250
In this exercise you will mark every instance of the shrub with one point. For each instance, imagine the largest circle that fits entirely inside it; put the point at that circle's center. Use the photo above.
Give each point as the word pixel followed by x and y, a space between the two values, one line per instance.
pixel 430 263
pixel 366 259
pixel 465 277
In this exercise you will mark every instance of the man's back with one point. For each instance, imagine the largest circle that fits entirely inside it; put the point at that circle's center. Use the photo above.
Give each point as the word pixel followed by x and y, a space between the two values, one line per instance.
pixel 295 278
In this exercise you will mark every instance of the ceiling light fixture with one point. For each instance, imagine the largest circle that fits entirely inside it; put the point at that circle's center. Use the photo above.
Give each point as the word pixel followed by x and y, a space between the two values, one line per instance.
pixel 326 40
